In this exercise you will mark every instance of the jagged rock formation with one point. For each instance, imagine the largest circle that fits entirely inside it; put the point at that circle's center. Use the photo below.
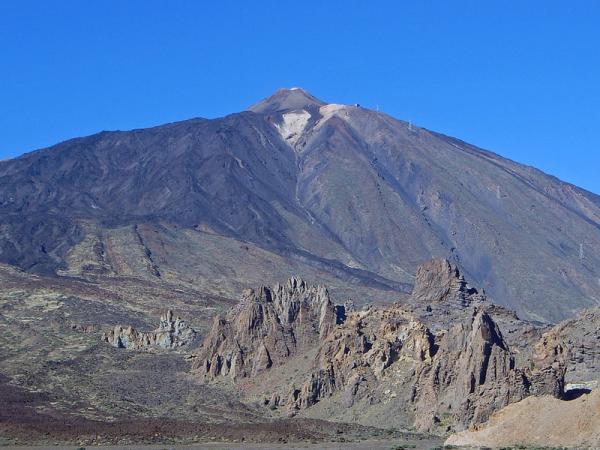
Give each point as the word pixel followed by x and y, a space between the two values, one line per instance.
pixel 171 333
pixel 453 379
pixel 439 359
pixel 473 374
pixel 359 352
pixel 266 327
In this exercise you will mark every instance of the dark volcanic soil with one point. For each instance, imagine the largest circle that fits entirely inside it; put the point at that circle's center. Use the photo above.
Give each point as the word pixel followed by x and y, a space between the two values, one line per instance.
pixel 20 422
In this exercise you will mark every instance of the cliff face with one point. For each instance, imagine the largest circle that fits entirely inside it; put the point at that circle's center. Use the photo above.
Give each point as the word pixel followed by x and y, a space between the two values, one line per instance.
pixel 444 371
pixel 543 420
pixel 581 334
pixel 473 374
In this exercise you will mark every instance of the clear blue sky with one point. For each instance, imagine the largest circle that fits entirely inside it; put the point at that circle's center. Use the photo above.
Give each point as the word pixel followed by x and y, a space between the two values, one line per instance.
pixel 521 78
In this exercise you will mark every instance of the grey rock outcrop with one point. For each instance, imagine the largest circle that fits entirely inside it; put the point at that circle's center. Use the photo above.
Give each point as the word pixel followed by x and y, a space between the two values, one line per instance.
pixel 171 333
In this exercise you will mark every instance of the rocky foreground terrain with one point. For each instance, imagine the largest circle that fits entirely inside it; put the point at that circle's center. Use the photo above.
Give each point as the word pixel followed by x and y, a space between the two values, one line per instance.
pixel 83 363
pixel 436 363
pixel 69 376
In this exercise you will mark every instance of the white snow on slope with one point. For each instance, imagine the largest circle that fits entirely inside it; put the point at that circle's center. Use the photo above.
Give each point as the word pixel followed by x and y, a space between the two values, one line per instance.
pixel 333 109
pixel 293 125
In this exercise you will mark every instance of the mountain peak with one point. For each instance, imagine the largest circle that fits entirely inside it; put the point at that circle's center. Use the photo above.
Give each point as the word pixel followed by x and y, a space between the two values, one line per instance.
pixel 287 99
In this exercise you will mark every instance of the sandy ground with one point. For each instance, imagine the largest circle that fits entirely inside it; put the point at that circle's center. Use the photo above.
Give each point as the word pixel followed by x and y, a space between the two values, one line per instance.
pixel 540 421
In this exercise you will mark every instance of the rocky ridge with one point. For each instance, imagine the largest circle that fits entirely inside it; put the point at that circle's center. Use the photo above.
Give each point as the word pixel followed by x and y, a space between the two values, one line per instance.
pixel 172 332
pixel 437 370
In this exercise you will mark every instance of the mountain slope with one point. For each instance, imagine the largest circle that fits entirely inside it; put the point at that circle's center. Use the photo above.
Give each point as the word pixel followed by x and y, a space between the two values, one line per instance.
pixel 346 193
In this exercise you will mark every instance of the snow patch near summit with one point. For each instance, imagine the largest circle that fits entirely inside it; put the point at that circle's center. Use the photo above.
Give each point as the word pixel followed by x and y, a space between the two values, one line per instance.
pixel 293 125
pixel 333 109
